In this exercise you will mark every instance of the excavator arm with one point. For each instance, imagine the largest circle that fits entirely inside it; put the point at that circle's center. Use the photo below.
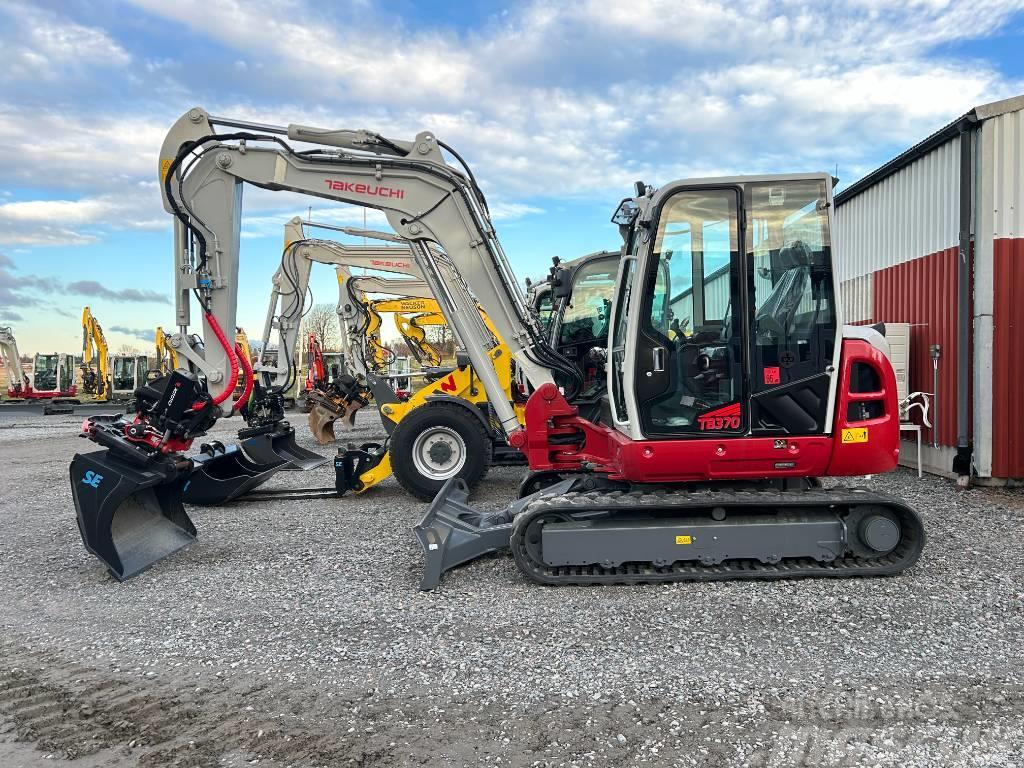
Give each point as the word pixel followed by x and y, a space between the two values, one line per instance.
pixel 166 357
pixel 94 346
pixel 425 199
pixel 17 381
pixel 291 284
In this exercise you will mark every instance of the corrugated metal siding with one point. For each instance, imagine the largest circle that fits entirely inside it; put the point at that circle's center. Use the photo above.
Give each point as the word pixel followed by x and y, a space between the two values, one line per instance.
pixel 1006 174
pixel 922 292
pixel 1008 359
pixel 908 215
pixel 856 298
pixel 998 297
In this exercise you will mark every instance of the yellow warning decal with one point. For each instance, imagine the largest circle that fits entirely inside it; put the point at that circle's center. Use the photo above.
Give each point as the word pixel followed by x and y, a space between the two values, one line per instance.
pixel 165 166
pixel 856 435
pixel 684 539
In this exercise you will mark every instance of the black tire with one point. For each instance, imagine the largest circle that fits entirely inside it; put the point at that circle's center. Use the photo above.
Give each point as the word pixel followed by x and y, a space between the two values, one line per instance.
pixel 445 421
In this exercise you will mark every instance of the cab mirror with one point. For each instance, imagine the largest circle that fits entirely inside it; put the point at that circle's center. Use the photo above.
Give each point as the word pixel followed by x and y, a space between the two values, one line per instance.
pixel 626 213
pixel 561 283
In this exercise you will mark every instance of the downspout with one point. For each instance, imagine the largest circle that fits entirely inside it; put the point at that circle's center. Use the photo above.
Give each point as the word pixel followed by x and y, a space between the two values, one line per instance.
pixel 965 269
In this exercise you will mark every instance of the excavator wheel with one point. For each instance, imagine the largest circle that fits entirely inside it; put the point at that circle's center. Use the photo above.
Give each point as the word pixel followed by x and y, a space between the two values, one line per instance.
pixel 436 442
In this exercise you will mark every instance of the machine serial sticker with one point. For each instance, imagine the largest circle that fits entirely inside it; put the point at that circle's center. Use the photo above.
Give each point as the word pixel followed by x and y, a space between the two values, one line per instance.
pixel 857 435
pixel 684 540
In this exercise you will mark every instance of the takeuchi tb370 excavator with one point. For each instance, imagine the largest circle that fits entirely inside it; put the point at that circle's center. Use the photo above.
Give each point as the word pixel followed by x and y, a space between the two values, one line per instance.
pixel 732 385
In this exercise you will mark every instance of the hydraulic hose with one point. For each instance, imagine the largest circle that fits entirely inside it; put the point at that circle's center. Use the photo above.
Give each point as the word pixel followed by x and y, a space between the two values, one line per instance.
pixel 243 398
pixel 232 359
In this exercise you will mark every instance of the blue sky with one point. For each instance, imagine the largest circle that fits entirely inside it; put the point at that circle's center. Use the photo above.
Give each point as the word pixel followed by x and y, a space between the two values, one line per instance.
pixel 558 107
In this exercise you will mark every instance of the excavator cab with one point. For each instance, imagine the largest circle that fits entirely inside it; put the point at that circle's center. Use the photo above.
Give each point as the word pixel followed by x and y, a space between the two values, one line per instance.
pixel 716 295
pixel 730 373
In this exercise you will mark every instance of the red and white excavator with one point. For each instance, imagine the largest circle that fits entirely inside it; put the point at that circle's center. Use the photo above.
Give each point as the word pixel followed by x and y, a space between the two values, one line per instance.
pixel 53 375
pixel 732 385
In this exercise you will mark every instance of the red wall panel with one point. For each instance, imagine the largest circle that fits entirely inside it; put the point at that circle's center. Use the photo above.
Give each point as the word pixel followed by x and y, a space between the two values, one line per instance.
pixel 1008 358
pixel 922 292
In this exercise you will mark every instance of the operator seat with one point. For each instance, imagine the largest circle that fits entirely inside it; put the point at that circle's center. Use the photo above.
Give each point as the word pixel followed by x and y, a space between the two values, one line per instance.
pixel 776 315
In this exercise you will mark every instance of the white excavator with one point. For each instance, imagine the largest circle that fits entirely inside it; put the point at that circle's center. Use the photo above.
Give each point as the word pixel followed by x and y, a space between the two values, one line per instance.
pixel 52 379
pixel 725 400
pixel 17 380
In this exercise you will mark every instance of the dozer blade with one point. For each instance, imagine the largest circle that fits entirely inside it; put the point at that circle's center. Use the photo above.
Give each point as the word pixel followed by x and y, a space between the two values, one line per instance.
pixel 130 517
pixel 321 424
pixel 223 474
pixel 452 532
pixel 272 448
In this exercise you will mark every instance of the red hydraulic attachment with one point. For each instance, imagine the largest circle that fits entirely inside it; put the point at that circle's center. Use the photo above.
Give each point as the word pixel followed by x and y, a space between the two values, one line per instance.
pixel 316 376
pixel 556 438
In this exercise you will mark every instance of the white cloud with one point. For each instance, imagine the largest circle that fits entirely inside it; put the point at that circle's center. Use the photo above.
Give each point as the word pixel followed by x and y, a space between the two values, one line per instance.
pixel 44 147
pixel 41 45
pixel 81 221
pixel 546 102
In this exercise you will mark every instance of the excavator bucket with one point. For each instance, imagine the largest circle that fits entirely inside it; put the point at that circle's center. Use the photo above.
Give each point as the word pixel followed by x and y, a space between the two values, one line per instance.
pixel 272 448
pixel 130 516
pixel 452 532
pixel 222 474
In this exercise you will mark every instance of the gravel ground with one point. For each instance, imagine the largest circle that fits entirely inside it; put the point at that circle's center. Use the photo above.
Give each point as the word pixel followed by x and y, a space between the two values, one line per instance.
pixel 292 634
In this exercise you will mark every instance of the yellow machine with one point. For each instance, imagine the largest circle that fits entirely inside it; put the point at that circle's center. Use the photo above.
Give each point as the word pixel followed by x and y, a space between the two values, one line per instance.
pixel 166 357
pixel 94 345
pixel 412 330
pixel 413 335
pixel 423 451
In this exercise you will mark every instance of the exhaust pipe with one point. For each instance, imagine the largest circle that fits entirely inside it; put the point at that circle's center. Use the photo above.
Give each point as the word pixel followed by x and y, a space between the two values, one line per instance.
pixel 130 516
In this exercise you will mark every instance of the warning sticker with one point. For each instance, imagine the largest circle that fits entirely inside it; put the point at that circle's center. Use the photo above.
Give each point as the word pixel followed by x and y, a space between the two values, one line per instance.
pixel 165 166
pixel 772 375
pixel 684 539
pixel 857 435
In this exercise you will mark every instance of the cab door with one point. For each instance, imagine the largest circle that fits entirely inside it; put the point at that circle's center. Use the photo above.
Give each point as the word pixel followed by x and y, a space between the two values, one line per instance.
pixel 793 320
pixel 690 345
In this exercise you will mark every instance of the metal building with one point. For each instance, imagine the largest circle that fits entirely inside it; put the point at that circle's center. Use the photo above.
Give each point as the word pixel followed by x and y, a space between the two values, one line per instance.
pixel 935 238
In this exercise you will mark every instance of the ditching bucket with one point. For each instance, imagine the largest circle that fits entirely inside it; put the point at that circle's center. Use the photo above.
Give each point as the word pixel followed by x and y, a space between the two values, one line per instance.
pixel 222 474
pixel 272 448
pixel 130 517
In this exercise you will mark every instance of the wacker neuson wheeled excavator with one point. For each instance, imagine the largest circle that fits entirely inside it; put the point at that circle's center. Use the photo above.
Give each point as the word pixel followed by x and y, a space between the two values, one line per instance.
pixel 429 449
pixel 731 383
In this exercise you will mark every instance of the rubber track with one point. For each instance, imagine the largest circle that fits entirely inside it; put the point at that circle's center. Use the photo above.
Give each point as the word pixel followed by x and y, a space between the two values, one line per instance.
pixel 629 503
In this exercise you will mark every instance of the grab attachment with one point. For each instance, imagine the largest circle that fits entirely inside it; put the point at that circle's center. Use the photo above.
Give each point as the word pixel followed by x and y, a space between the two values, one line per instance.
pixel 276 447
pixel 452 532
pixel 221 474
pixel 130 515
pixel 322 419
